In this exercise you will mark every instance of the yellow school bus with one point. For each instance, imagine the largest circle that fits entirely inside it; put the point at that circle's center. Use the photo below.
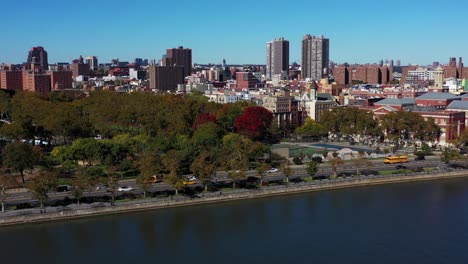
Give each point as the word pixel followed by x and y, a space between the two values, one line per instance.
pixel 396 159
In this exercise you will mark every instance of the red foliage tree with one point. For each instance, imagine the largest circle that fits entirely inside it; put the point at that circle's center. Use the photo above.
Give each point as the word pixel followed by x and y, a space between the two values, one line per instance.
pixel 203 118
pixel 254 122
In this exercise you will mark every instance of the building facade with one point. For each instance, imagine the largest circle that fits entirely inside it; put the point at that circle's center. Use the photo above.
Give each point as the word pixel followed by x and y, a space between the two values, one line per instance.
pixel 165 78
pixel 315 57
pixel 277 61
pixel 92 61
pixel 41 57
pixel 11 80
pixel 179 57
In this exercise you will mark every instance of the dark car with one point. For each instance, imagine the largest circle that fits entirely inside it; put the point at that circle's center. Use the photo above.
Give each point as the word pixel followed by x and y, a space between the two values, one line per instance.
pixel 63 188
pixel 400 167
pixel 419 158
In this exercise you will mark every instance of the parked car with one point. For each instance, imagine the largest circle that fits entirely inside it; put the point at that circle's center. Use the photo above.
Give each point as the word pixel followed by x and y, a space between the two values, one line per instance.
pixel 273 170
pixel 125 189
pixel 419 158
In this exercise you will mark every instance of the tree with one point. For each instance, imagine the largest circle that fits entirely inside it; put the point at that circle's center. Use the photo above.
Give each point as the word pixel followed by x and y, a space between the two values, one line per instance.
pixel 311 129
pixel 361 162
pixel 81 182
pixel 112 182
pixel 335 162
pixel 254 122
pixel 144 181
pixel 449 154
pixel 173 177
pixel 286 170
pixel 312 167
pixel 262 168
pixel 204 167
pixel 41 185
pixel 18 156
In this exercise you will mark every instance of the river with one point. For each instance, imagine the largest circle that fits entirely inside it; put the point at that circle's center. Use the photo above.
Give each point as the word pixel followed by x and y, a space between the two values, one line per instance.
pixel 424 222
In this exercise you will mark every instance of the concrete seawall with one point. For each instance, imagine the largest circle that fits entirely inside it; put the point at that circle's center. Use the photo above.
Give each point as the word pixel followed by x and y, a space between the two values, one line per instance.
pixel 156 203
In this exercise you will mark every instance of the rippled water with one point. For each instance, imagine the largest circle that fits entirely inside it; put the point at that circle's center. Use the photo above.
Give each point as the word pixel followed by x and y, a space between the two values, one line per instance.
pixel 423 222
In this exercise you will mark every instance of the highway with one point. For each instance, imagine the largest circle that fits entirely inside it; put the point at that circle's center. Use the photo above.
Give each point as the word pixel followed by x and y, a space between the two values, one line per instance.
pixel 221 178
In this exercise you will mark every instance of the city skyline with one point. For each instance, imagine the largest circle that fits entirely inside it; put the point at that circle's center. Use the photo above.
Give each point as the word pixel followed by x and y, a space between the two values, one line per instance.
pixel 361 31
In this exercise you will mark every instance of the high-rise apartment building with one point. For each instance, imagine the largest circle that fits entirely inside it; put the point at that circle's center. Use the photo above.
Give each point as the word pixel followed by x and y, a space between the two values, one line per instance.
pixel 315 57
pixel 277 58
pixel 92 61
pixel 165 78
pixel 41 57
pixel 179 57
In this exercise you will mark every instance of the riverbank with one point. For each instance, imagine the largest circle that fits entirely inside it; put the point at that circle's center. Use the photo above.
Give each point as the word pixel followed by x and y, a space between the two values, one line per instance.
pixel 158 203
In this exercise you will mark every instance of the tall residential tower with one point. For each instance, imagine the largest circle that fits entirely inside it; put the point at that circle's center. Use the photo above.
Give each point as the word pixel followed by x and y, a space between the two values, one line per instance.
pixel 277 58
pixel 41 57
pixel 315 57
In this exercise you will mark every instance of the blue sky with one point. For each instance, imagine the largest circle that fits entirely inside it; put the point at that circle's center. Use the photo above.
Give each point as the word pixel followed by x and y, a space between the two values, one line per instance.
pixel 360 31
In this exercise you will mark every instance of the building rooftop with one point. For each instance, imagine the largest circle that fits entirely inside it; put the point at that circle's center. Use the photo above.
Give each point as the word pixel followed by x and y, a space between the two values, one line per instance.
pixel 438 96
pixel 458 105
pixel 396 101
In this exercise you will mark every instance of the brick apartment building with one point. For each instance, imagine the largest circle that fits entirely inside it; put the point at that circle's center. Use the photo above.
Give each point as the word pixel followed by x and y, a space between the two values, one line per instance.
pixel 11 80
pixel 246 80
pixel 165 78
pixel 366 74
pixel 60 79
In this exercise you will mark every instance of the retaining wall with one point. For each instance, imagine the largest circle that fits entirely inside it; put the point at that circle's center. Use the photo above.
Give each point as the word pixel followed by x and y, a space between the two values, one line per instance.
pixel 155 203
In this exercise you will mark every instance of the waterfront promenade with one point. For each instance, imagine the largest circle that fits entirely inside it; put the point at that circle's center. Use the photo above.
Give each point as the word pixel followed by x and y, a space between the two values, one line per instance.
pixel 88 210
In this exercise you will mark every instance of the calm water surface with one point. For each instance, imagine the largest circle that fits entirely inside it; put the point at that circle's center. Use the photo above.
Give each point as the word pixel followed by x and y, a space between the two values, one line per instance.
pixel 401 223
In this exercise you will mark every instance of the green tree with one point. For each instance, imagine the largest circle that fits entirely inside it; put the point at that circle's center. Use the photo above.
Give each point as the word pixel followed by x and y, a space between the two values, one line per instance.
pixel 144 181
pixel 312 167
pixel 41 185
pixel 286 170
pixel 204 167
pixel 19 157
pixel 81 182
pixel 449 154
pixel 112 182
pixel 173 176
pixel 262 168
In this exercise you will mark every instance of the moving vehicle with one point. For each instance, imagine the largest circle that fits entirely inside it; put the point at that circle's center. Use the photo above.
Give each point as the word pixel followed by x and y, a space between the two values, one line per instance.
pixel 396 159
pixel 63 188
pixel 190 180
pixel 125 189
pixel 154 179
pixel 273 170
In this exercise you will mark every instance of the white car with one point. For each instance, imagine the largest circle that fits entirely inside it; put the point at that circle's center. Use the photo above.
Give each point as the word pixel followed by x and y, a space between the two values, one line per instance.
pixel 273 170
pixel 124 189
pixel 191 178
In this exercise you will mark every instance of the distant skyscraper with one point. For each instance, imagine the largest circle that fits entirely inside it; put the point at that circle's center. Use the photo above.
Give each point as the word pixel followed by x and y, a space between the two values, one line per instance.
pixel 277 58
pixel 381 63
pixel 398 63
pixel 315 57
pixel 179 57
pixel 41 57
pixel 92 61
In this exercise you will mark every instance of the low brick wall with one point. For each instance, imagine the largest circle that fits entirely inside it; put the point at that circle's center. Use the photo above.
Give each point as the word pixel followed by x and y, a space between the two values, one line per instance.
pixel 155 203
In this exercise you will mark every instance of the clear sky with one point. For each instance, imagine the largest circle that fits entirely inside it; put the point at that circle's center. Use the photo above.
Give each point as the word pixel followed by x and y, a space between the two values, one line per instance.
pixel 414 31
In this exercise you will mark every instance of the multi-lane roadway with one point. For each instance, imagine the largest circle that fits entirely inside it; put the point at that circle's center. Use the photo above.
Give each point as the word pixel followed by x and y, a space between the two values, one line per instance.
pixel 324 170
